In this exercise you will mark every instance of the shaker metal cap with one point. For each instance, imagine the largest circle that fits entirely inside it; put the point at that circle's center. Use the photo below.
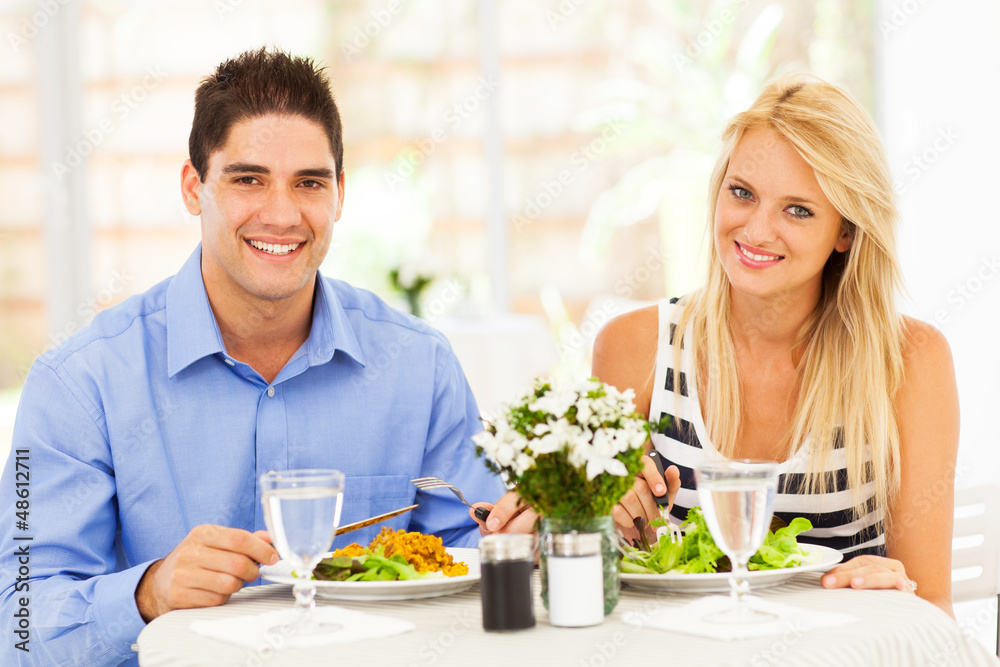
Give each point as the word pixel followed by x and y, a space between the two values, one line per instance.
pixel 574 544
pixel 506 547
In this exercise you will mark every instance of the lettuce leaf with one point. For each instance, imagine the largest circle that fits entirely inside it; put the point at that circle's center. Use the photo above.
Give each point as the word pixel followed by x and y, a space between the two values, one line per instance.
pixel 698 553
pixel 370 567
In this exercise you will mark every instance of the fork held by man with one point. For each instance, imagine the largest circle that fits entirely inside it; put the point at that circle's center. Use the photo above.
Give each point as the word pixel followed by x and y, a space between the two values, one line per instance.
pixel 429 483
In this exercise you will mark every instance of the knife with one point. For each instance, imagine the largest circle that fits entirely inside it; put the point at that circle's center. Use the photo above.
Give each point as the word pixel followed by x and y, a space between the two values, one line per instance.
pixel 375 519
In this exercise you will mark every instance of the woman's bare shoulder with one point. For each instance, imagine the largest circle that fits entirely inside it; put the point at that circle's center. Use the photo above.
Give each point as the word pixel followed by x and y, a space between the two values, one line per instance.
pixel 925 348
pixel 927 402
pixel 625 350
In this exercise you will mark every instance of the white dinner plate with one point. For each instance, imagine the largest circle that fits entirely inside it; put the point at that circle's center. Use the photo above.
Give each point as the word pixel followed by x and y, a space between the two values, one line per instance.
pixel 819 559
pixel 281 573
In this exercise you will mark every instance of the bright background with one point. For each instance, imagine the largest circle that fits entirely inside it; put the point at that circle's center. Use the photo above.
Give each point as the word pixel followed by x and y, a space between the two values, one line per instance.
pixel 544 160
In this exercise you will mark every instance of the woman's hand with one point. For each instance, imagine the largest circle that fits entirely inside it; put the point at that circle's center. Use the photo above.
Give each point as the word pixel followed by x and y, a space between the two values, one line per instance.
pixel 869 572
pixel 509 515
pixel 640 500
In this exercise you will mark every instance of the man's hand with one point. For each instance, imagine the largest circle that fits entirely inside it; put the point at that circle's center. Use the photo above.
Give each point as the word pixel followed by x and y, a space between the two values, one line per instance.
pixel 207 567
pixel 509 515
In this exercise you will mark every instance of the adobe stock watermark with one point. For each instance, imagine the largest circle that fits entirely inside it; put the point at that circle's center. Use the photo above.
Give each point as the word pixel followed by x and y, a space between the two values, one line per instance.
pixel 86 310
pixel 270 641
pixel 966 291
pixel 444 298
pixel 950 652
pixel 899 15
pixel 364 34
pixel 577 338
pixel 579 161
pixel 918 163
pixel 931 495
pixel 223 7
pixel 121 108
pixel 30 26
pixel 710 31
pixel 776 653
pixel 564 10
pixel 436 647
pixel 465 108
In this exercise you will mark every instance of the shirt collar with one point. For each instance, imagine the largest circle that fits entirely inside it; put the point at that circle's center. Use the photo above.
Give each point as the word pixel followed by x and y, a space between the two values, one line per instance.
pixel 193 333
pixel 331 330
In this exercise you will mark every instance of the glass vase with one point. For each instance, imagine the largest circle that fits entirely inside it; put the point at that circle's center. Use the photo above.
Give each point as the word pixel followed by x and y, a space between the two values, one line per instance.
pixel 610 558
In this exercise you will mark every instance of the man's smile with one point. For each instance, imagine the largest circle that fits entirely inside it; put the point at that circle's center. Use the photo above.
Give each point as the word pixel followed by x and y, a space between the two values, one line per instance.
pixel 277 249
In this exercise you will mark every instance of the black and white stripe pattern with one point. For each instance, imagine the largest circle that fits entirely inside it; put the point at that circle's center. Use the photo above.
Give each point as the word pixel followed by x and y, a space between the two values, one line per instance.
pixel 685 443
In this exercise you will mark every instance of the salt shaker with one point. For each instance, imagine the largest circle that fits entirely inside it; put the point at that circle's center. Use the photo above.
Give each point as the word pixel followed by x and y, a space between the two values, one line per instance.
pixel 506 564
pixel 575 579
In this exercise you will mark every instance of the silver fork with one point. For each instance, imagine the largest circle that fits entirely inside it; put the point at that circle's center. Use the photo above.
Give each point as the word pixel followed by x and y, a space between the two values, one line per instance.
pixel 672 532
pixel 429 483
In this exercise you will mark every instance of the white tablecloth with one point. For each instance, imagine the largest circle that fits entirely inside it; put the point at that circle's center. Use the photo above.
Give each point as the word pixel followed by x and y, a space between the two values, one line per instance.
pixel 896 629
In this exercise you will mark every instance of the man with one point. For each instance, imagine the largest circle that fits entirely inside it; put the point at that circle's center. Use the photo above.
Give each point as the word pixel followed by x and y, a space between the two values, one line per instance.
pixel 145 434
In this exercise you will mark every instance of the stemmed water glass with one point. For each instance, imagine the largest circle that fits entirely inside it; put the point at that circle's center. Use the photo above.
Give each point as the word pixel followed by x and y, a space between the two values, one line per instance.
pixel 737 501
pixel 302 512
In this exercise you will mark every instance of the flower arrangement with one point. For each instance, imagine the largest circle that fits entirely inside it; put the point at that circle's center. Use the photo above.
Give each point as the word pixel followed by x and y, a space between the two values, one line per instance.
pixel 571 453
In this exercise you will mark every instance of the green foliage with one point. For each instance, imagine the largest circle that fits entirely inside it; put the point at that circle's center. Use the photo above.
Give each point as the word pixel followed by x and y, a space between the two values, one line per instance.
pixel 370 567
pixel 698 552
pixel 557 489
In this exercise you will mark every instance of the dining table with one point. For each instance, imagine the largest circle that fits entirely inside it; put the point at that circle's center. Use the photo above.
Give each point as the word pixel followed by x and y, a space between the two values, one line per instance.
pixel 891 628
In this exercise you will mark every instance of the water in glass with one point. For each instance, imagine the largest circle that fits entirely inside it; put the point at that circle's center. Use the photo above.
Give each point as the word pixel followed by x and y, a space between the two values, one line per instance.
pixel 302 512
pixel 738 513
pixel 737 501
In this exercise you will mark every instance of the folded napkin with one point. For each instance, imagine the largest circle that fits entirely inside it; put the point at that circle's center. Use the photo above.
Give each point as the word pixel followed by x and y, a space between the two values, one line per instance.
pixel 689 619
pixel 261 631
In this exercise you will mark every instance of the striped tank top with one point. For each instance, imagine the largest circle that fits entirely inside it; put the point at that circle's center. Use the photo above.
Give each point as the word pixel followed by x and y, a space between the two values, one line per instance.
pixel 684 443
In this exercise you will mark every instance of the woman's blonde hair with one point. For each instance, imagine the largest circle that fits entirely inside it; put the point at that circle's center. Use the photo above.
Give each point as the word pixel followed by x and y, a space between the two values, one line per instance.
pixel 851 362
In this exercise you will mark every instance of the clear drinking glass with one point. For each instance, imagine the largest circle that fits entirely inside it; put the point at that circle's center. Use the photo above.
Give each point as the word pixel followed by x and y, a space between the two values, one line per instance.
pixel 302 512
pixel 737 500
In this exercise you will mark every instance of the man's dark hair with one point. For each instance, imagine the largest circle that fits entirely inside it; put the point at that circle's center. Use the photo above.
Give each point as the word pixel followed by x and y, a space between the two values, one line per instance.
pixel 257 83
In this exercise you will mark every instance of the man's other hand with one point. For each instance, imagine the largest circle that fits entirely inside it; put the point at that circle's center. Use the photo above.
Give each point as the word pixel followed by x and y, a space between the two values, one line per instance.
pixel 207 567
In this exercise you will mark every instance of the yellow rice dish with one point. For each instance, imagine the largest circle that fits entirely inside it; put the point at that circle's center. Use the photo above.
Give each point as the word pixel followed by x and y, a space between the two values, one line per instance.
pixel 424 552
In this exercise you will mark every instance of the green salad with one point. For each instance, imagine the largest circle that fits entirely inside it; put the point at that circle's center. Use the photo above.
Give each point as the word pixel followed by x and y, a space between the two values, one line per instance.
pixel 370 567
pixel 698 553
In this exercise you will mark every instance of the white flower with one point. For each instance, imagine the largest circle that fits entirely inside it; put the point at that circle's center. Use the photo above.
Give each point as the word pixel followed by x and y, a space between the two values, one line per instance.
pixel 612 466
pixel 523 463
pixel 547 444
pixel 606 427
pixel 603 442
pixel 555 403
pixel 505 454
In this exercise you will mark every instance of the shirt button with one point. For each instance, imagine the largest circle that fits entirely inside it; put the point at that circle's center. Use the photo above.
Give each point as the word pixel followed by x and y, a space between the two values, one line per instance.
pixel 270 392
pixel 230 362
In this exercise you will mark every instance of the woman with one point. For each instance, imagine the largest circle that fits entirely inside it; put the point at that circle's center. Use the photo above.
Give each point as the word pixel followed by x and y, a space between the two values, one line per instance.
pixel 794 350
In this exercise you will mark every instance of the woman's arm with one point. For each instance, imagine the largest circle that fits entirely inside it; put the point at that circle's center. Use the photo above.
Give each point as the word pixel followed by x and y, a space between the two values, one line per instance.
pixel 625 357
pixel 920 532
pixel 918 540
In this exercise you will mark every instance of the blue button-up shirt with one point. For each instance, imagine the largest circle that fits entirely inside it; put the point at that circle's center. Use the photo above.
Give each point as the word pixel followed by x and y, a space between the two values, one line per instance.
pixel 141 427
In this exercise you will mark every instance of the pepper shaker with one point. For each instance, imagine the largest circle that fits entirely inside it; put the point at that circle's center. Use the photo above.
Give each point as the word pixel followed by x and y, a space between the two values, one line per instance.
pixel 506 565
pixel 576 579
